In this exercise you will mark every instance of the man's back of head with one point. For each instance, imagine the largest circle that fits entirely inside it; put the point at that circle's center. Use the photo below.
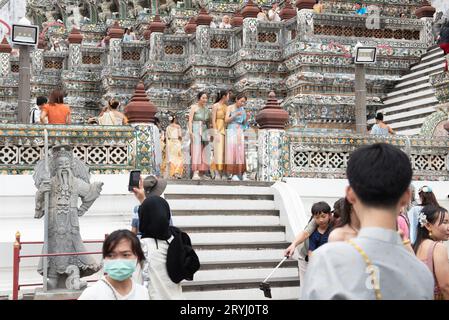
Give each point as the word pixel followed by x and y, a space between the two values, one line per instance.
pixel 379 174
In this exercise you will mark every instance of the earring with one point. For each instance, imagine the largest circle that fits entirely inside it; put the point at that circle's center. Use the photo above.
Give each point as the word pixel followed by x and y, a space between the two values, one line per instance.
pixel 430 234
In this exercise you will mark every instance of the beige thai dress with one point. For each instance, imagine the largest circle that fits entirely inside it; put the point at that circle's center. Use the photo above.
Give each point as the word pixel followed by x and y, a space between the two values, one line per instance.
pixel 219 138
pixel 174 150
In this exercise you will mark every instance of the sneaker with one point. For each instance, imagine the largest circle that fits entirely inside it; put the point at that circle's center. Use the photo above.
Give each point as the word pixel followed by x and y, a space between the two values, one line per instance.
pixel 196 176
pixel 204 177
pixel 235 178
pixel 217 176
pixel 245 177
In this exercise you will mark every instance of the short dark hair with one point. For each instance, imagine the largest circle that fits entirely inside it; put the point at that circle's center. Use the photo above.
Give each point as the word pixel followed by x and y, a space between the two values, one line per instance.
pixel 114 104
pixel 200 94
pixel 359 2
pixel 115 237
pixel 380 116
pixel 320 207
pixel 379 174
pixel 41 100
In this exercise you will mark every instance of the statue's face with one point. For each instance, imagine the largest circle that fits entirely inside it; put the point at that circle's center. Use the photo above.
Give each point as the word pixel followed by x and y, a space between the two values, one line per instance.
pixel 63 163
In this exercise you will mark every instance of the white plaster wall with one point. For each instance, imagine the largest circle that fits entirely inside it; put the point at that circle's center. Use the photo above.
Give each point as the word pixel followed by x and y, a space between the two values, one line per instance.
pixel 12 13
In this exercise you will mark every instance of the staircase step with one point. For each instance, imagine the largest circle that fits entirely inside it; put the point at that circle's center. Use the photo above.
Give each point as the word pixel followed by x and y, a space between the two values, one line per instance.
pixel 408 132
pixel 417 74
pixel 429 63
pixel 219 196
pixel 200 204
pixel 221 183
pixel 420 112
pixel 408 123
pixel 217 189
pixel 432 54
pixel 411 96
pixel 415 103
pixel 409 90
pixel 229 270
pixel 238 284
pixel 226 212
pixel 226 220
pixel 223 229
pixel 208 252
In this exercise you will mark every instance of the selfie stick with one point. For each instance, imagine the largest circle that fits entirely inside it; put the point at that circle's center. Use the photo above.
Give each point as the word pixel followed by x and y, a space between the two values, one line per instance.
pixel 285 258
pixel 46 205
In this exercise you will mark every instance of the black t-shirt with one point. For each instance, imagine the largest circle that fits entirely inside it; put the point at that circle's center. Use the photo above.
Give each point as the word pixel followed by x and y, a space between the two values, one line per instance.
pixel 317 239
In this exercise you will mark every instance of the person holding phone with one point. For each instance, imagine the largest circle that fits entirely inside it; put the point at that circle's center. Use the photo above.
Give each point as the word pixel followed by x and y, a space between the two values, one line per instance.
pixel 150 186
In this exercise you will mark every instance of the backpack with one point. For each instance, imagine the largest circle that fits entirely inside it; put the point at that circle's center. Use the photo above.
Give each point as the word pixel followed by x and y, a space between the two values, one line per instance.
pixel 182 260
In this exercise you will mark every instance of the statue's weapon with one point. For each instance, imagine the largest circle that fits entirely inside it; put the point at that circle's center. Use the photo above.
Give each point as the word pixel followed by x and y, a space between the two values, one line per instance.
pixel 46 209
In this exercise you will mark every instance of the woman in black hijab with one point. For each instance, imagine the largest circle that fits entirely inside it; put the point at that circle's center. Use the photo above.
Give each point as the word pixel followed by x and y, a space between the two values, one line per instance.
pixel 154 225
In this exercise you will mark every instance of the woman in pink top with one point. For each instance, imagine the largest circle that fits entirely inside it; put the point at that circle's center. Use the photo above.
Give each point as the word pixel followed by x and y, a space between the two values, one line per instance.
pixel 433 228
pixel 404 226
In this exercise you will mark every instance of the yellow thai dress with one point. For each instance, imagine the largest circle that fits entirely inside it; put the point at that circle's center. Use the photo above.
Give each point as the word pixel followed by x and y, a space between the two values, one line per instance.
pixel 219 138
pixel 174 150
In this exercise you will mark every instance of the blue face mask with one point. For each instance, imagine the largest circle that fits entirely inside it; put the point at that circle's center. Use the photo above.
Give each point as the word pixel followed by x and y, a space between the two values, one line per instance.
pixel 120 269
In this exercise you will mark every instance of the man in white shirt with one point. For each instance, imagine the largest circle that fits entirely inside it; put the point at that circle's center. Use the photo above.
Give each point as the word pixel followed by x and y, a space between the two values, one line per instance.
pixel 35 112
pixel 273 14
pixel 375 264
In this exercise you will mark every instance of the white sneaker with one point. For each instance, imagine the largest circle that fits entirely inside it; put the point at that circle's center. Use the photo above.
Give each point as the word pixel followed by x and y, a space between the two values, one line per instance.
pixel 235 178
pixel 245 177
pixel 196 176
pixel 217 176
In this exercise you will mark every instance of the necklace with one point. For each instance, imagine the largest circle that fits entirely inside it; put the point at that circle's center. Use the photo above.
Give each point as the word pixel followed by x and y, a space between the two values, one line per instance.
pixel 372 270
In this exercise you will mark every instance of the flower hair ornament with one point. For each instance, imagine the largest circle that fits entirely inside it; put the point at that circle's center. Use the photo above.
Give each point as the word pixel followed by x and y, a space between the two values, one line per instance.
pixel 422 219
pixel 425 189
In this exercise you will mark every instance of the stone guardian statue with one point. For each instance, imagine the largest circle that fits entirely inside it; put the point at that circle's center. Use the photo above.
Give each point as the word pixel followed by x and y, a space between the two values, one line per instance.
pixel 67 180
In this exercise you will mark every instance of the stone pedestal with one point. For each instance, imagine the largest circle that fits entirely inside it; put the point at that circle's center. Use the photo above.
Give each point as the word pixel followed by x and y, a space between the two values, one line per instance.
pixel 272 154
pixel 272 140
pixel 148 150
pixel 57 294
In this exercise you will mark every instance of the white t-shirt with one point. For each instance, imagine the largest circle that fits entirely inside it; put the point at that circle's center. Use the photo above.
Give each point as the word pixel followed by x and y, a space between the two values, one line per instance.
pixel 102 291
pixel 35 115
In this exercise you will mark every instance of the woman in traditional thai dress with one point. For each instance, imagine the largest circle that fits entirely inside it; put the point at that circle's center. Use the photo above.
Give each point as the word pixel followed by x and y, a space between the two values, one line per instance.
pixel 199 122
pixel 219 125
pixel 235 140
pixel 174 149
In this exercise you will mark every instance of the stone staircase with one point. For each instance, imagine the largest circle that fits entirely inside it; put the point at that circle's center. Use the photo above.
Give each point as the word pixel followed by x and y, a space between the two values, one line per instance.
pixel 235 229
pixel 3 3
pixel 236 232
pixel 413 97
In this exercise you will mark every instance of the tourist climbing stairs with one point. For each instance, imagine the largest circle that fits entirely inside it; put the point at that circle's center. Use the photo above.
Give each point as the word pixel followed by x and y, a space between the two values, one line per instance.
pixel 236 232
pixel 413 97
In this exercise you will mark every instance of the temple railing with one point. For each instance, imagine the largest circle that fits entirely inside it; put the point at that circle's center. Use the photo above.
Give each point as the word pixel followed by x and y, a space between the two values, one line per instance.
pixel 106 149
pixel 326 155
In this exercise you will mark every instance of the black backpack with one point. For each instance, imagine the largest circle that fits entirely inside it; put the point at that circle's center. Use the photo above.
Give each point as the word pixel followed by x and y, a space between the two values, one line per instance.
pixel 182 261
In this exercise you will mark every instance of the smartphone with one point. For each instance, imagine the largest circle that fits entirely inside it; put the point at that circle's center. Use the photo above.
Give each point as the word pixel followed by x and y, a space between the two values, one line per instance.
pixel 134 178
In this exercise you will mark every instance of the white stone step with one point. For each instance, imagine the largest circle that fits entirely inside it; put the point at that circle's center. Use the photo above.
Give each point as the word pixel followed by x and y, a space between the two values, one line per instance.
pixel 412 104
pixel 402 115
pixel 410 89
pixel 413 95
pixel 437 59
pixel 236 237
pixel 402 124
pixel 288 290
pixel 412 81
pixel 244 252
pixel 435 53
pixel 439 67
pixel 221 204
pixel 223 220
pixel 284 293
pixel 207 189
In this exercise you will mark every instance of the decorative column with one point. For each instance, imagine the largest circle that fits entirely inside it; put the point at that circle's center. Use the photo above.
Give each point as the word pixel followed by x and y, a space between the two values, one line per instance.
pixel 272 140
pixel 287 11
pixel 75 58
pixel 203 21
pixel 425 13
pixel 304 18
pixel 237 19
pixel 249 13
pixel 115 33
pixel 5 64
pixel 190 27
pixel 141 115
pixel 154 33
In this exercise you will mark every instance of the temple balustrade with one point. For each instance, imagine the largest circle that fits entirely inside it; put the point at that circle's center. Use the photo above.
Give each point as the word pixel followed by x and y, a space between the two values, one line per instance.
pixel 112 149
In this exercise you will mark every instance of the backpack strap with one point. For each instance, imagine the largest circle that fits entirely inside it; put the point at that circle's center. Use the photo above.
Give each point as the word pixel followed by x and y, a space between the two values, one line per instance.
pixel 110 287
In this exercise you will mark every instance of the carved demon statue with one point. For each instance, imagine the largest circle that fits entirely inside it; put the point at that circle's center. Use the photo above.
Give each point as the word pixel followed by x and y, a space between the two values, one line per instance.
pixel 67 180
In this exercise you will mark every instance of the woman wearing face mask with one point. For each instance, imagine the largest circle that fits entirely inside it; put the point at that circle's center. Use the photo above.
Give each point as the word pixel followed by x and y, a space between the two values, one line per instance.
pixel 121 254
pixel 154 226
